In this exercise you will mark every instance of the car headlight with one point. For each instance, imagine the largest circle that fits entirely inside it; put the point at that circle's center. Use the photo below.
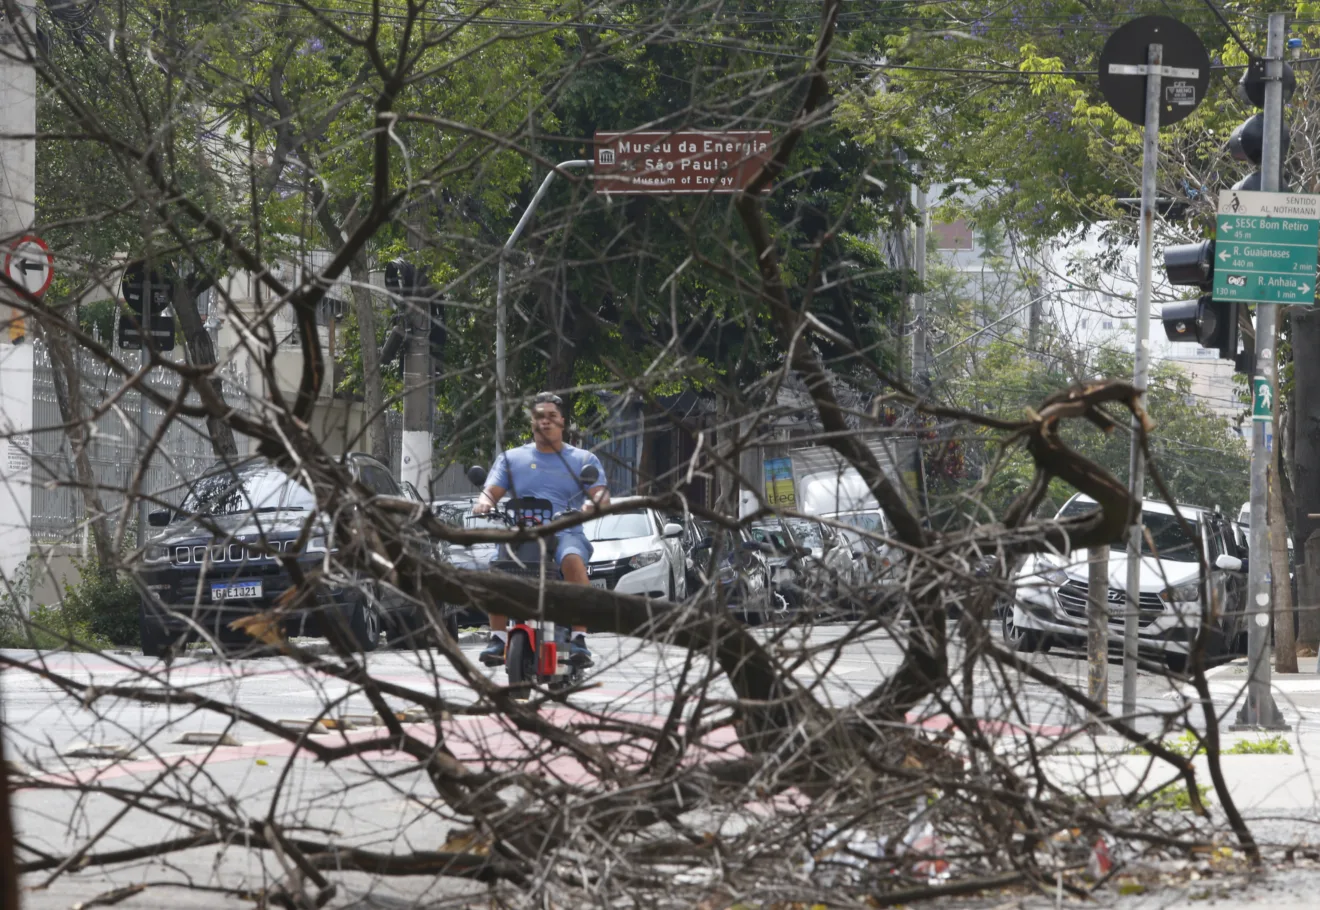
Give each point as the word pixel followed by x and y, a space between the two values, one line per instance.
pixel 645 559
pixel 318 545
pixel 1053 574
pixel 1182 594
pixel 156 554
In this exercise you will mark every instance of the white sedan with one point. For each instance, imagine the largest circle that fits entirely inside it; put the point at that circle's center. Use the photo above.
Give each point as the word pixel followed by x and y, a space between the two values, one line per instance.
pixel 637 552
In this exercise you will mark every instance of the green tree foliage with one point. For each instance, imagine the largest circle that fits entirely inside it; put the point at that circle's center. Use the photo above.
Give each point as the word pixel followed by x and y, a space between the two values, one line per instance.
pixel 1006 97
pixel 1197 456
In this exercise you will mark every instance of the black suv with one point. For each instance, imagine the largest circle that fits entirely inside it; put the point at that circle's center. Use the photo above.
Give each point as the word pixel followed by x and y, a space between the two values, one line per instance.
pixel 218 560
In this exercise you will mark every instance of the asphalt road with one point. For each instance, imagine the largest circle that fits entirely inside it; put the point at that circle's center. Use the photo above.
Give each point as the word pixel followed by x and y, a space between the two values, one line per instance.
pixel 376 801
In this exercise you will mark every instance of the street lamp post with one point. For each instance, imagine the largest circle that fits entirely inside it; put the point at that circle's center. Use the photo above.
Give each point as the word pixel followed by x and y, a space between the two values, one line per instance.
pixel 501 317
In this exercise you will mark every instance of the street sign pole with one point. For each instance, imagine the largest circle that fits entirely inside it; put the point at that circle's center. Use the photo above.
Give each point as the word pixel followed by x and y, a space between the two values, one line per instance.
pixel 1259 711
pixel 1150 153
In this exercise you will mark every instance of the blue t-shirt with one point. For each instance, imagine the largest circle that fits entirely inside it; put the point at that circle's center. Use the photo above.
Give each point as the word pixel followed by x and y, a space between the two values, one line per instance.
pixel 546 475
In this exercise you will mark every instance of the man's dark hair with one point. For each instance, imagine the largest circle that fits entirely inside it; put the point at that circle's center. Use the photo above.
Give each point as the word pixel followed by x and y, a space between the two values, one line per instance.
pixel 548 398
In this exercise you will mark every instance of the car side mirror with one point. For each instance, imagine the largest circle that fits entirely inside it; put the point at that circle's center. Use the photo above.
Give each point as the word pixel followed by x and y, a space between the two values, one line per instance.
pixel 672 530
pixel 477 475
pixel 158 518
pixel 802 551
pixel 1230 563
pixel 590 475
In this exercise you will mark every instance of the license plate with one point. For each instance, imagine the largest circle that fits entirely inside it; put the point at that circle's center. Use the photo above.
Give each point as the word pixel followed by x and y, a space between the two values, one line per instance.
pixel 235 590
pixel 600 583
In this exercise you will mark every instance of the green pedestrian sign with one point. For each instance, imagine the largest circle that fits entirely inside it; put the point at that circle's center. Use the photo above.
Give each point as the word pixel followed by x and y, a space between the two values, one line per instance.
pixel 1265 247
pixel 1262 399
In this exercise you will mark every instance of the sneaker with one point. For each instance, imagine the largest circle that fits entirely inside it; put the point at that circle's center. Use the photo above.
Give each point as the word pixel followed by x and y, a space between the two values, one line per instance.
pixel 493 656
pixel 578 653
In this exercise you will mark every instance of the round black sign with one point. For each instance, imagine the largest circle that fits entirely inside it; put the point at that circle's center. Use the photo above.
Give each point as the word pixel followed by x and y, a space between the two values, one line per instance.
pixel 1123 63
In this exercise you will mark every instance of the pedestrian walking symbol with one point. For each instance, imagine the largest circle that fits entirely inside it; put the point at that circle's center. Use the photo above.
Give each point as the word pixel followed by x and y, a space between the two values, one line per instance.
pixel 1262 401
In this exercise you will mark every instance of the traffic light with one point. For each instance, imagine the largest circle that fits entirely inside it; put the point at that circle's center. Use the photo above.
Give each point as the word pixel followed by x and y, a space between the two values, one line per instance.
pixel 1248 140
pixel 1205 321
pixel 412 285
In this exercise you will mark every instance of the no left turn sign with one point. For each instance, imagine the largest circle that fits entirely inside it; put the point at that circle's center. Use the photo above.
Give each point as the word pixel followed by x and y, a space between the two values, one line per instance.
pixel 30 264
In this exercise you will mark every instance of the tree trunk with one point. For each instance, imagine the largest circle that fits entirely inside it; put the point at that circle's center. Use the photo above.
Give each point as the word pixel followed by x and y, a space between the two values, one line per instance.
pixel 364 305
pixel 68 394
pixel 1306 465
pixel 373 395
pixel 201 353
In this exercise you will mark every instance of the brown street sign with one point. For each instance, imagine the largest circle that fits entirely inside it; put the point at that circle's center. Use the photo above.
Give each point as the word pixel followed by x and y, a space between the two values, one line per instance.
pixel 687 162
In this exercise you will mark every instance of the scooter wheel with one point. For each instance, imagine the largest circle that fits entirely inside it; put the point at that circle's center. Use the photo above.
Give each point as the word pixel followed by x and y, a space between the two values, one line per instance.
pixel 520 664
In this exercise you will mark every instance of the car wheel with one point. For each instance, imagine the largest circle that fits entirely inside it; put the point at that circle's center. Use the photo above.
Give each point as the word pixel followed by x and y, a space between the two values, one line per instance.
pixel 1021 640
pixel 156 639
pixel 1177 663
pixel 520 663
pixel 365 626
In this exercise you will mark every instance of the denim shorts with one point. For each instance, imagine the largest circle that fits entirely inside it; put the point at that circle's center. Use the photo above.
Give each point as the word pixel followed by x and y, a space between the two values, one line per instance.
pixel 572 540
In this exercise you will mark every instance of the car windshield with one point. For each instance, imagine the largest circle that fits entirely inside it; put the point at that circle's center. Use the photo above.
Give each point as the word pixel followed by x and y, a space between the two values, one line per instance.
pixel 261 489
pixel 867 521
pixel 619 527
pixel 1164 536
pixel 771 534
pixel 808 533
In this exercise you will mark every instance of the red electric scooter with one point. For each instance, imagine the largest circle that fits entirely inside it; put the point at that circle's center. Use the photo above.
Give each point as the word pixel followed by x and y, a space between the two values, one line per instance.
pixel 537 651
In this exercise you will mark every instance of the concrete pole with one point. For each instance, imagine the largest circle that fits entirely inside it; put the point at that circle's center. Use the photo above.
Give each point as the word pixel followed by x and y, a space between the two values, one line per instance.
pixel 144 355
pixel 920 368
pixel 1097 625
pixel 18 117
pixel 418 391
pixel 501 317
pixel 1150 154
pixel 1259 711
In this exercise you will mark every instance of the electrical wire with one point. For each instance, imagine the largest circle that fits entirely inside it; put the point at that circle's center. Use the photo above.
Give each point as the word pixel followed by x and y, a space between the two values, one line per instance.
pixel 1251 55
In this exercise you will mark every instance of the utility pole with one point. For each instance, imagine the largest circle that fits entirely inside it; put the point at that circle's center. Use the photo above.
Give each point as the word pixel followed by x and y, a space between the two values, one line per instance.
pixel 1097 625
pixel 1140 371
pixel 917 355
pixel 1259 711
pixel 418 387
pixel 18 118
pixel 502 317
pixel 144 355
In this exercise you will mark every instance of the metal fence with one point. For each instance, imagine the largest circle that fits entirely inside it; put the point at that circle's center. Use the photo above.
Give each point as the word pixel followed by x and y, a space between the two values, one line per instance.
pixel 115 447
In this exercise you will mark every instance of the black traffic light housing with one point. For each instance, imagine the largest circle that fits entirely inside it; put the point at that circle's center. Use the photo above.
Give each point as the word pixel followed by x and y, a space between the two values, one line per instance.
pixel 1205 321
pixel 1190 264
pixel 1247 141
pixel 412 284
pixel 1209 323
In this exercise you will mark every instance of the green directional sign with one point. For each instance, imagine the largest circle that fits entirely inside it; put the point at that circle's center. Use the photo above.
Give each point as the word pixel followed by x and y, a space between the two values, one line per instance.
pixel 1265 247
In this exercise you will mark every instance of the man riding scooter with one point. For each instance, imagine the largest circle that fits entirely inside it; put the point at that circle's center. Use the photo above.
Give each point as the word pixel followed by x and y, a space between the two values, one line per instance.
pixel 547 468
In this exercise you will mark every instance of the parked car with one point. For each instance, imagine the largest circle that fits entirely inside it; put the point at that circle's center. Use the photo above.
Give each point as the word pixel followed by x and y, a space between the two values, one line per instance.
pixel 637 552
pixel 220 557
pixel 694 531
pixel 787 571
pixel 1051 591
pixel 738 565
pixel 833 569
